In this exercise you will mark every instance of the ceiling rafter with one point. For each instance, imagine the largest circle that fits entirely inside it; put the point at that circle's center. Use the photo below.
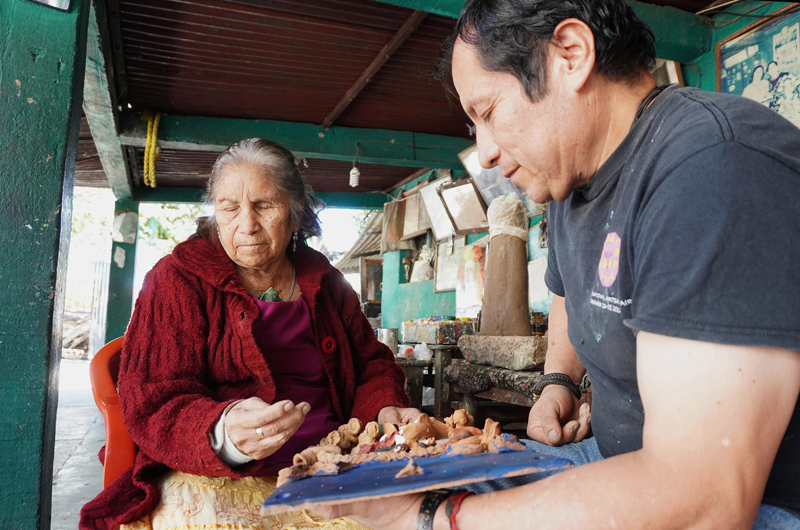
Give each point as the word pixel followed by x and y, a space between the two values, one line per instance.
pixel 366 76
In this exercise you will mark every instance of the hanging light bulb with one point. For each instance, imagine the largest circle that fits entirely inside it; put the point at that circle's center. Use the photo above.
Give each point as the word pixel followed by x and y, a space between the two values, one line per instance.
pixel 354 174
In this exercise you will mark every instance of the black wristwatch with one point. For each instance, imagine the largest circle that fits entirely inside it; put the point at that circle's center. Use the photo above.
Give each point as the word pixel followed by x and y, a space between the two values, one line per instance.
pixel 557 379
pixel 428 509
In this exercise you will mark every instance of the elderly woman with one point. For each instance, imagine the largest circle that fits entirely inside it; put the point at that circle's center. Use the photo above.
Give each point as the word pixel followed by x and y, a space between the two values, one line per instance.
pixel 245 347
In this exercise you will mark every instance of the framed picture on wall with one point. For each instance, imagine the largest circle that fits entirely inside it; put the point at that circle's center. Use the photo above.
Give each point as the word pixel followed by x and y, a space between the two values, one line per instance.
pixel 491 182
pixel 371 272
pixel 437 214
pixel 447 259
pixel 465 207
pixel 762 62
pixel 415 219
pixel 393 222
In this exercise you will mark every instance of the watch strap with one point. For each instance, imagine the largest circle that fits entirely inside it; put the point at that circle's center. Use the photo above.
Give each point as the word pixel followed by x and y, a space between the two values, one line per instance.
pixel 430 503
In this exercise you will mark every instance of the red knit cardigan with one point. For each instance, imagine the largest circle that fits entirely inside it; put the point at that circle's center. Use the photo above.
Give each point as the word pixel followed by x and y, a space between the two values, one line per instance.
pixel 189 352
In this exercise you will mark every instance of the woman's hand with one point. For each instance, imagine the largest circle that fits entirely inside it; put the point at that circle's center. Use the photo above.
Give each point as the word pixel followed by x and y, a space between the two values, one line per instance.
pixel 557 418
pixel 397 415
pixel 278 422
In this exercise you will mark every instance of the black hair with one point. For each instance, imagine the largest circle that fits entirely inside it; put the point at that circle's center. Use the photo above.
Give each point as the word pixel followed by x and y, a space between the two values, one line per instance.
pixel 753 74
pixel 513 36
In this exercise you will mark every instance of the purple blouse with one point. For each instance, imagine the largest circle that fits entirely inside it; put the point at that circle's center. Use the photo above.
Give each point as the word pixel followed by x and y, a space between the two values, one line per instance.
pixel 284 335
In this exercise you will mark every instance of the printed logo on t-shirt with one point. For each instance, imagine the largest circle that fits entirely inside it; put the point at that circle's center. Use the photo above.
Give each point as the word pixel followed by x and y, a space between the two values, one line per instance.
pixel 609 260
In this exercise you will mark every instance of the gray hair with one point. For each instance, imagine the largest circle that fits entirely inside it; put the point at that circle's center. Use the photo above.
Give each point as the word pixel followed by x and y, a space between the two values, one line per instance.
pixel 277 164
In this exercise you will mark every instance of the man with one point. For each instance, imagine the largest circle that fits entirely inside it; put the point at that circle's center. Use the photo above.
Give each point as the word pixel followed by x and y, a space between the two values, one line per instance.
pixel 676 272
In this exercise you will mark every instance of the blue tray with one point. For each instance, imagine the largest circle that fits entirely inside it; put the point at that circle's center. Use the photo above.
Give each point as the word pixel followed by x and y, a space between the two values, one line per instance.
pixel 376 479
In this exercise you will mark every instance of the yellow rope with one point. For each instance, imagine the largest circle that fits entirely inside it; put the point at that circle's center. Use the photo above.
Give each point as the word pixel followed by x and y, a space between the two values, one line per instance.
pixel 151 149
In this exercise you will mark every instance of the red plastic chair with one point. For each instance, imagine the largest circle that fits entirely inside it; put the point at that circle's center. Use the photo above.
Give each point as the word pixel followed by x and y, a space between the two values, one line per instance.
pixel 120 449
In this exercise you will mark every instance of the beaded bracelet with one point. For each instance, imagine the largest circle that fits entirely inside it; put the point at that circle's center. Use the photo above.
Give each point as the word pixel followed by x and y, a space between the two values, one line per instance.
pixel 557 379
pixel 454 506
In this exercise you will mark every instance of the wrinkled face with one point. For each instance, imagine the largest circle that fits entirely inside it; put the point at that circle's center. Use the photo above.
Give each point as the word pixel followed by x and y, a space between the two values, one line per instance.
pixel 253 218
pixel 533 144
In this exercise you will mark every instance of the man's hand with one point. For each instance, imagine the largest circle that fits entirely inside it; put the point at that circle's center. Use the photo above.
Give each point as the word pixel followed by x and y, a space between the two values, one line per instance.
pixel 278 422
pixel 558 418
pixel 390 513
pixel 397 415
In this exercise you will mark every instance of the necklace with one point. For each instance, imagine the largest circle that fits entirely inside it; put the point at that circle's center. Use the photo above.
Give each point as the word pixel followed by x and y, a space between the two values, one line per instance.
pixel 653 94
pixel 272 295
pixel 294 282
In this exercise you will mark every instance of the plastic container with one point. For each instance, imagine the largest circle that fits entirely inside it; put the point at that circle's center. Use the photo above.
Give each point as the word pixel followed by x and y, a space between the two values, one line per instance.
pixel 405 350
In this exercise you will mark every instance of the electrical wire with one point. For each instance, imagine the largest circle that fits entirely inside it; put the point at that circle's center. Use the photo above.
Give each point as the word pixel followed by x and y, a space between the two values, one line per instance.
pixel 715 24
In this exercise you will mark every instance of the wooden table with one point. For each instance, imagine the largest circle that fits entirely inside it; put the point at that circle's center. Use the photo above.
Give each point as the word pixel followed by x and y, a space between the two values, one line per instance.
pixel 473 383
pixel 415 371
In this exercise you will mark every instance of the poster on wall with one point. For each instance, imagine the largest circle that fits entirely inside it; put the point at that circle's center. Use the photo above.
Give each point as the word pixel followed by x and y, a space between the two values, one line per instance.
pixel 415 218
pixel 762 62
pixel 469 280
pixel 393 218
pixel 448 259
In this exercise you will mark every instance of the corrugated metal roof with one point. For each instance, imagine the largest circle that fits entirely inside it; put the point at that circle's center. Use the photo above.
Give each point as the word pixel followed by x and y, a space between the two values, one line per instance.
pixel 288 61
pixel 191 169
pixel 282 60
pixel 367 244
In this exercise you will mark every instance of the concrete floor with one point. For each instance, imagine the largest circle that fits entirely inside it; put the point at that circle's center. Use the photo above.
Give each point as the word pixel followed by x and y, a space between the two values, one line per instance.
pixel 77 473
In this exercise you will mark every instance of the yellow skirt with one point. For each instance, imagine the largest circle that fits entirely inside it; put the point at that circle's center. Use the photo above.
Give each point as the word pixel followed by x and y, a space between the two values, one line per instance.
pixel 191 502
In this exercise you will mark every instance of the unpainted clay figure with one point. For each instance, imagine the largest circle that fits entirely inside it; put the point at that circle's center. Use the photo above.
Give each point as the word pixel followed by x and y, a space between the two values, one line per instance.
pixel 355 443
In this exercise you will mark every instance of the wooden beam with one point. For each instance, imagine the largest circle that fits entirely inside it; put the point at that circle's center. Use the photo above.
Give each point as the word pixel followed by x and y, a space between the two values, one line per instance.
pixel 99 96
pixel 407 179
pixel 377 63
pixel 352 199
pixel 680 36
pixel 375 146
pixel 332 199
pixel 170 195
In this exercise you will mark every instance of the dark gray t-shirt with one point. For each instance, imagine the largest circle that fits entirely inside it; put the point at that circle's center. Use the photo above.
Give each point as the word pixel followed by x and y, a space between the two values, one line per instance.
pixel 690 229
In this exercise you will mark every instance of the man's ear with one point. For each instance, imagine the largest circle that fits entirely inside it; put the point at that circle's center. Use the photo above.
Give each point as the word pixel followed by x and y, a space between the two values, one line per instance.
pixel 572 53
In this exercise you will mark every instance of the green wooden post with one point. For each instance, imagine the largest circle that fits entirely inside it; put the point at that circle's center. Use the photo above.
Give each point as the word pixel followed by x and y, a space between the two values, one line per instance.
pixel 120 279
pixel 42 54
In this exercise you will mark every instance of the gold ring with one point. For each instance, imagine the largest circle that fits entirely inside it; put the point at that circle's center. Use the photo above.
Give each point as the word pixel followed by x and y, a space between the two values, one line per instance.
pixel 259 432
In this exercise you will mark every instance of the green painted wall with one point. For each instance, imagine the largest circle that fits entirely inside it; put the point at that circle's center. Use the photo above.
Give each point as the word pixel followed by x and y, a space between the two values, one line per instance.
pixel 406 301
pixel 120 280
pixel 42 53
